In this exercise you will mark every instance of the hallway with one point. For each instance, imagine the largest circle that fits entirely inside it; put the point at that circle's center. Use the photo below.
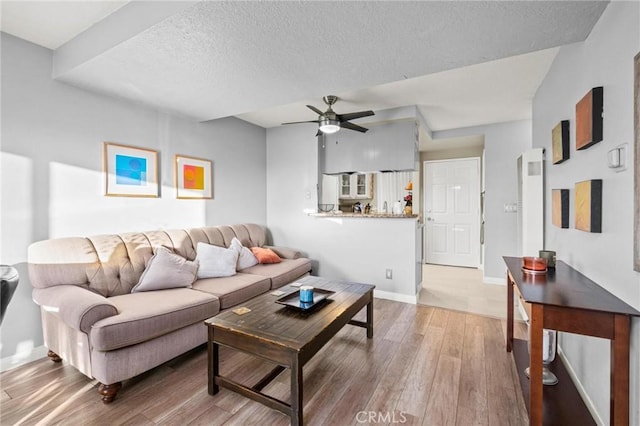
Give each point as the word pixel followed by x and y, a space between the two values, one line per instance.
pixel 462 289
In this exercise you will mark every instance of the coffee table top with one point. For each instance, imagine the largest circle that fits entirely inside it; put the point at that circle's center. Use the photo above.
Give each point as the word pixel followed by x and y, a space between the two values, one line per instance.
pixel 289 327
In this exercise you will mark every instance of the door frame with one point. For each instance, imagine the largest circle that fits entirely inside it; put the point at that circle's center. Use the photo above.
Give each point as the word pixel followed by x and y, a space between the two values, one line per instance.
pixel 425 240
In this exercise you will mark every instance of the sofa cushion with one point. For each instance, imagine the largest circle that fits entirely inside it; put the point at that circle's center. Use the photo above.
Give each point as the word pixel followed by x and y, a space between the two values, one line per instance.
pixel 234 290
pixel 282 273
pixel 214 261
pixel 146 315
pixel 166 270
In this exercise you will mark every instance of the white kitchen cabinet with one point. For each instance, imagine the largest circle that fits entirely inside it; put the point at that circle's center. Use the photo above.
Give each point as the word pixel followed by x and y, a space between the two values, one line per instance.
pixel 340 153
pixel 356 186
pixel 390 146
pixel 395 146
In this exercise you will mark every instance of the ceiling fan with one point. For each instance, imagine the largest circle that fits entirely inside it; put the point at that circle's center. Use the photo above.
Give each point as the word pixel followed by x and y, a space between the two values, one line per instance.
pixel 330 122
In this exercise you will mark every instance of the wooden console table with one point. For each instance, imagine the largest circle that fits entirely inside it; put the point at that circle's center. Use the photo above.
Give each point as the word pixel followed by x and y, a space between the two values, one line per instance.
pixel 565 300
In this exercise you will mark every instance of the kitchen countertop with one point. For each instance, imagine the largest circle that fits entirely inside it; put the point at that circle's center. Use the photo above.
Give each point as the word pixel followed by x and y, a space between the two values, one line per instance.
pixel 367 215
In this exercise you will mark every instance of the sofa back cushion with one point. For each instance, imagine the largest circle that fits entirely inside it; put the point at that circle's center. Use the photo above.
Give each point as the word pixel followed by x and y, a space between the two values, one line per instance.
pixel 111 265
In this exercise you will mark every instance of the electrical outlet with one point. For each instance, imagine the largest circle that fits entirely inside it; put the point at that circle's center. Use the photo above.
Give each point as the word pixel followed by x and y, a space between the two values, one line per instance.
pixel 388 274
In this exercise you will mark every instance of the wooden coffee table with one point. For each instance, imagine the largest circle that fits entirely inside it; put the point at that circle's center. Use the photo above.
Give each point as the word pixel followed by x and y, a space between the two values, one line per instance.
pixel 285 336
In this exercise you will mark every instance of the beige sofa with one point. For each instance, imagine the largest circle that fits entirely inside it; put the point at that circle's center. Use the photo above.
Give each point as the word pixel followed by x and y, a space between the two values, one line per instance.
pixel 92 320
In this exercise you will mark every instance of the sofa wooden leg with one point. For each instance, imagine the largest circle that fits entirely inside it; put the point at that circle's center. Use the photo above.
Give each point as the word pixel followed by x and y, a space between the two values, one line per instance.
pixel 54 356
pixel 109 392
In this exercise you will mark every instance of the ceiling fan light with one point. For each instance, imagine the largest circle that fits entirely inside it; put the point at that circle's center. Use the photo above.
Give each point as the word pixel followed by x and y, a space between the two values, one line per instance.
pixel 329 126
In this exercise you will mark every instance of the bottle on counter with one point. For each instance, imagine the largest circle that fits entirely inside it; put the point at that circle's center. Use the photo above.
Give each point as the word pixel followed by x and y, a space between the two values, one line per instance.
pixel 397 207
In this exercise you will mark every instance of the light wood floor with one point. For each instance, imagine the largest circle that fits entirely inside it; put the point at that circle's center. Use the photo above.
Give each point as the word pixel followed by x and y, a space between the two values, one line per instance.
pixel 462 289
pixel 424 365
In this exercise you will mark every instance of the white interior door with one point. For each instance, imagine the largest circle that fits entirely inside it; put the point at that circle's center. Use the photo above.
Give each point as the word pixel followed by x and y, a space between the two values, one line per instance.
pixel 452 212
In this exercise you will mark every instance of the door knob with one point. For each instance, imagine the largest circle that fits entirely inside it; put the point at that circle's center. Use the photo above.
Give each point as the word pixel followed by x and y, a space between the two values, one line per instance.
pixel 429 219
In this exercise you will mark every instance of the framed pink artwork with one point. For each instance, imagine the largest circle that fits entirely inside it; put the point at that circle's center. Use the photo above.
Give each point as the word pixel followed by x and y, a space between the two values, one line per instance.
pixel 193 177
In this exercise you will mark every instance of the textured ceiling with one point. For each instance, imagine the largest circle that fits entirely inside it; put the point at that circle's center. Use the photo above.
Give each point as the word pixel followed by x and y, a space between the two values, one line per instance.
pixel 53 23
pixel 215 59
pixel 491 92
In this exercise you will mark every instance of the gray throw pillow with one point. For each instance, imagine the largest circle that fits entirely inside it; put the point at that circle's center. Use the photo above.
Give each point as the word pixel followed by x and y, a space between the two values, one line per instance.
pixel 214 261
pixel 246 259
pixel 166 269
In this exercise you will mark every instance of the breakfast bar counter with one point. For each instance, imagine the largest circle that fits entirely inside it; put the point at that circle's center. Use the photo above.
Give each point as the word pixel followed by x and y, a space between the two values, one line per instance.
pixel 366 215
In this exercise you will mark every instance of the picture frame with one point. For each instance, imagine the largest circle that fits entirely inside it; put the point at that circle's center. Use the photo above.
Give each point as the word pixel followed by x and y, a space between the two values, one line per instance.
pixel 193 177
pixel 130 171
pixel 589 130
pixel 560 142
pixel 588 205
pixel 636 119
pixel 560 208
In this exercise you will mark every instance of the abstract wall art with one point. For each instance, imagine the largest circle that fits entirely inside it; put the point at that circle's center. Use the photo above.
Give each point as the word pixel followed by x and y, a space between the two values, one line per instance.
pixel 589 119
pixel 560 142
pixel 588 205
pixel 193 177
pixel 560 207
pixel 130 171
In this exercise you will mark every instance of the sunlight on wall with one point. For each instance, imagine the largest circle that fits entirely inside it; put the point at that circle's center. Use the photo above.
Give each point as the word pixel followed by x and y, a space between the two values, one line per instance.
pixel 16 205
pixel 78 206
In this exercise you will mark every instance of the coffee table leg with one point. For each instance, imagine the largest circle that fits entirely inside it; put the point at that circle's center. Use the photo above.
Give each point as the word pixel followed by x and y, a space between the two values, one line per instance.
pixel 296 392
pixel 213 361
pixel 370 319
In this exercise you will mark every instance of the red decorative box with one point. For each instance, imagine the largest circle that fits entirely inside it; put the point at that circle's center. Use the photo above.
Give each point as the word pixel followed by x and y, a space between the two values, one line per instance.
pixel 534 264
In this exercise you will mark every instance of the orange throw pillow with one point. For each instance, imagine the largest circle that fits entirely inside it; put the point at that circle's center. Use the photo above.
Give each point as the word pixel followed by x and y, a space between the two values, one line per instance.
pixel 265 255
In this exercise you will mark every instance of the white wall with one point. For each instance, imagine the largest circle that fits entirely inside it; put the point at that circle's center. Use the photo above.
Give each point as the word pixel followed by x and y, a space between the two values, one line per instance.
pixel 353 249
pixel 51 170
pixel 503 143
pixel 604 59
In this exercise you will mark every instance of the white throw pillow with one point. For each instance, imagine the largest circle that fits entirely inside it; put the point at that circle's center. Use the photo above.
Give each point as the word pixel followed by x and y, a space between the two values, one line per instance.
pixel 214 261
pixel 246 259
pixel 166 269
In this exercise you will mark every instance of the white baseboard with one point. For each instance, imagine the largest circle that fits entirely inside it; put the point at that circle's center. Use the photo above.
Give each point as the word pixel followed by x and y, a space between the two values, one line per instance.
pixel 585 397
pixel 22 358
pixel 395 296
pixel 494 280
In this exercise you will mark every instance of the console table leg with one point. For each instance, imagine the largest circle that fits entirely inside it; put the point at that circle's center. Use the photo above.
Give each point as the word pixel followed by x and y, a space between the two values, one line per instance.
pixel 370 319
pixel 509 313
pixel 619 414
pixel 535 366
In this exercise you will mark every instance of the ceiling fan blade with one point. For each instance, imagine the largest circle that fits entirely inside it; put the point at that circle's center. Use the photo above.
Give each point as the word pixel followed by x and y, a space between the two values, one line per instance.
pixel 314 109
pixel 298 122
pixel 354 115
pixel 351 126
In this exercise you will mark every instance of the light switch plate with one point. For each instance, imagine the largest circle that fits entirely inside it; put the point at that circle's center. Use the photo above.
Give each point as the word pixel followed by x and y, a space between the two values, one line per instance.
pixel 617 158
pixel 511 208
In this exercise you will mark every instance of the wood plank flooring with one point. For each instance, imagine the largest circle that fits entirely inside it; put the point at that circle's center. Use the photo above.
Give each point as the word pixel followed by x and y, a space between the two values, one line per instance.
pixel 425 365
